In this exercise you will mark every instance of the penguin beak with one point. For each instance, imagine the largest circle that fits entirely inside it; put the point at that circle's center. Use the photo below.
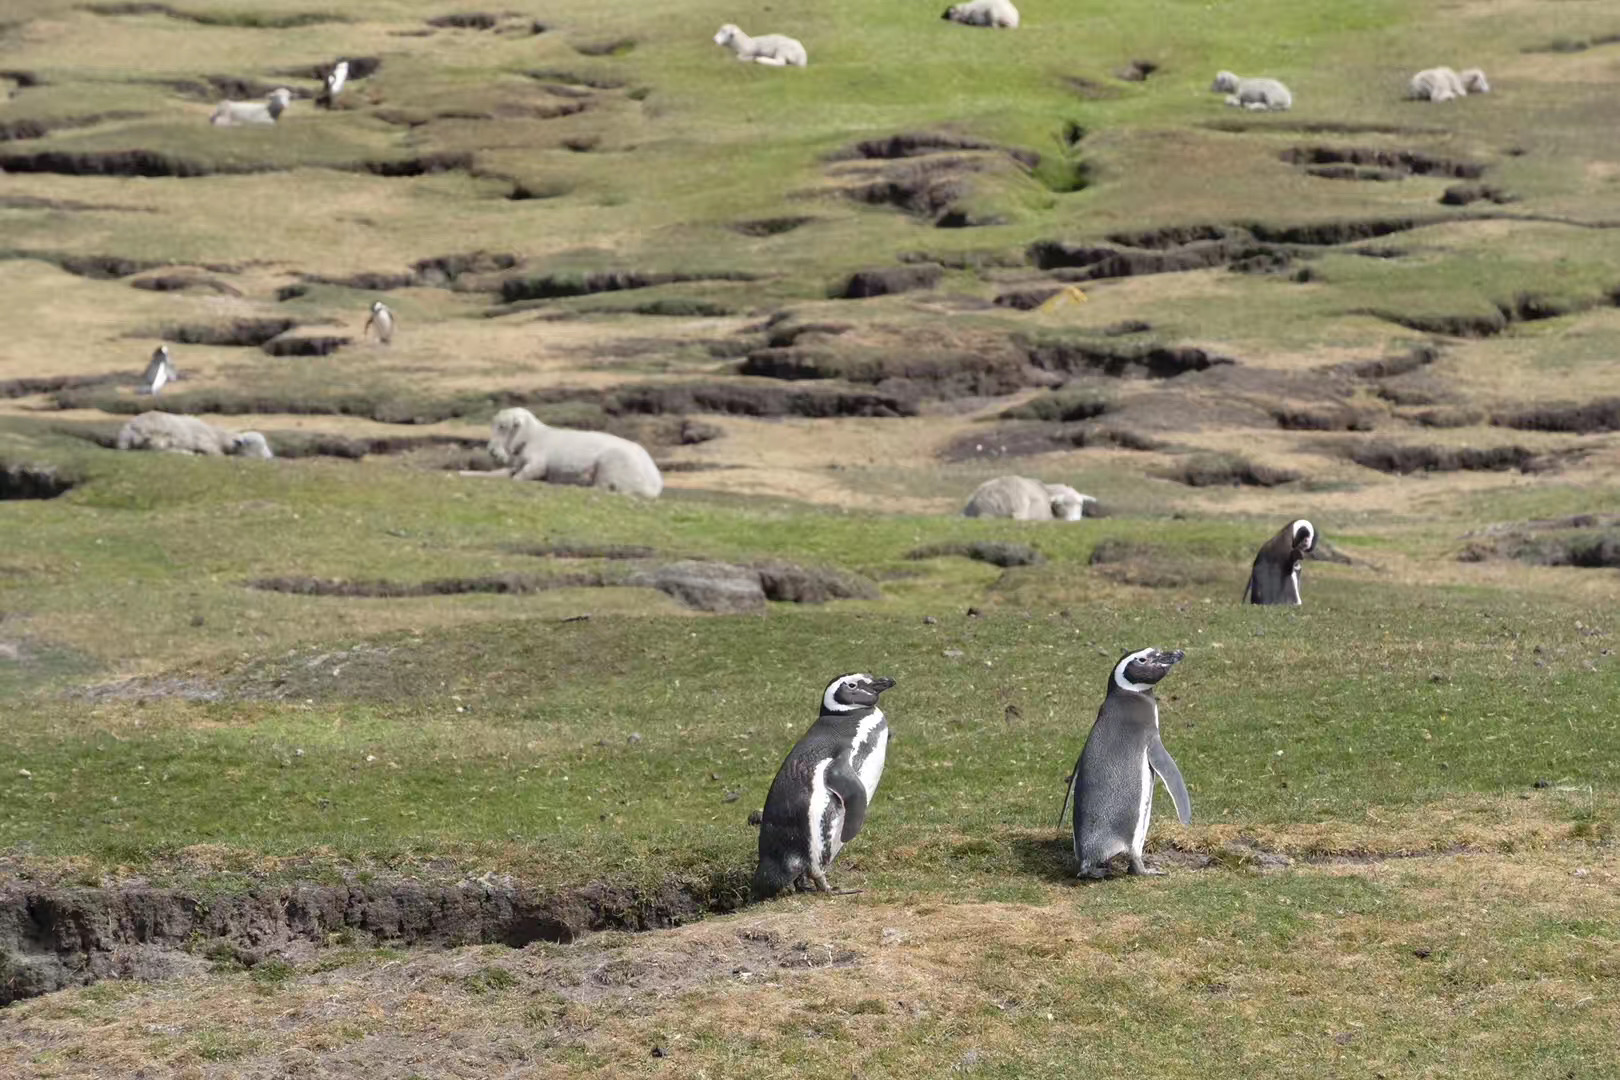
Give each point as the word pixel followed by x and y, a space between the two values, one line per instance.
pixel 1168 658
pixel 881 683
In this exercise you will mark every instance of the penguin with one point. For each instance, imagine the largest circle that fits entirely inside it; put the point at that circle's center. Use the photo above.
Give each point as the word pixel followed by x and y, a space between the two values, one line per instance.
pixel 334 84
pixel 818 801
pixel 1274 578
pixel 159 372
pixel 1112 785
pixel 383 320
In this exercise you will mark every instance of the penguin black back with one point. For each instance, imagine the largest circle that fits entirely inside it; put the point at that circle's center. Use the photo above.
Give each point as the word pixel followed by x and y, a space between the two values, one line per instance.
pixel 818 801
pixel 1112 783
pixel 1274 578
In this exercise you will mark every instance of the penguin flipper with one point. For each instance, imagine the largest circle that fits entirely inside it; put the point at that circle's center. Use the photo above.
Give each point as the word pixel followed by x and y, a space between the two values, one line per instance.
pixel 1068 792
pixel 844 783
pixel 1165 766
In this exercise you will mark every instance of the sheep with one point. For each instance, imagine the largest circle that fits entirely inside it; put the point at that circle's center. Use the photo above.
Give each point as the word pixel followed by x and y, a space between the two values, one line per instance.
pixel 1254 94
pixel 189 435
pixel 1023 499
pixel 999 14
pixel 534 451
pixel 772 49
pixel 1436 84
pixel 1473 80
pixel 238 113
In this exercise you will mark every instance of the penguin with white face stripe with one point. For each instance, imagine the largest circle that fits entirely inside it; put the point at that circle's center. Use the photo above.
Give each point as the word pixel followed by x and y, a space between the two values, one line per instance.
pixel 1274 578
pixel 159 372
pixel 818 801
pixel 382 317
pixel 1112 784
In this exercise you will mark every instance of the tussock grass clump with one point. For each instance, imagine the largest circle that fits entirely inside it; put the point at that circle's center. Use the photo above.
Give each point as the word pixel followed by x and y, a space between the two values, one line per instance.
pixel 1229 470
pixel 1580 418
pixel 1062 406
pixel 1404 459
pixel 503 584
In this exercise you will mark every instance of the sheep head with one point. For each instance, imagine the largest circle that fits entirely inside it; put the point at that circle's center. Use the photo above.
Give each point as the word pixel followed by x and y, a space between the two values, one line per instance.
pixel 507 433
pixel 1473 81
pixel 1225 82
pixel 726 34
pixel 251 444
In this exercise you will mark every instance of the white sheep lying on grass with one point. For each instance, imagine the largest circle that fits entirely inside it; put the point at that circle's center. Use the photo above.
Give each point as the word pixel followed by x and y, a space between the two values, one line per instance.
pixel 240 113
pixel 189 435
pixel 773 49
pixel 1023 499
pixel 995 13
pixel 1436 84
pixel 1247 93
pixel 534 451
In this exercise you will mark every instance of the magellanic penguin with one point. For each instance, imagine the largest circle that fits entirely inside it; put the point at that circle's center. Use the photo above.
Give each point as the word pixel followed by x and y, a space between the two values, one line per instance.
pixel 383 320
pixel 334 84
pixel 1112 783
pixel 818 801
pixel 1274 578
pixel 159 372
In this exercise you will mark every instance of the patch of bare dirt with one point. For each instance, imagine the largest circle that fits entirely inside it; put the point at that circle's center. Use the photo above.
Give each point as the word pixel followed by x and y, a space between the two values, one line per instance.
pixel 1370 163
pixel 1576 417
pixel 996 553
pixel 34 482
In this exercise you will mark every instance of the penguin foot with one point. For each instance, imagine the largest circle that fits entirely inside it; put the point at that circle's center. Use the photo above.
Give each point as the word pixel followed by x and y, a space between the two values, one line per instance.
pixel 1142 869
pixel 1095 873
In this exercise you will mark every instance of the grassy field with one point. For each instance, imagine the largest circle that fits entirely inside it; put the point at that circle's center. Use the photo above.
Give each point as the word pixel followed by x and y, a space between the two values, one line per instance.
pixel 232 691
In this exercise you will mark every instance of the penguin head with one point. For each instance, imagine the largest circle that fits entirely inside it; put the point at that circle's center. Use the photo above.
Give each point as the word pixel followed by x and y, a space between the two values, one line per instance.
pixel 1304 536
pixel 848 693
pixel 377 306
pixel 1138 671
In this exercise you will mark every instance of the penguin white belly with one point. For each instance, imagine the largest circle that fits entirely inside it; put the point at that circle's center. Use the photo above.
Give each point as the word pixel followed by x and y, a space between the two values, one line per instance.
pixel 1293 586
pixel 1144 810
pixel 826 819
pixel 868 751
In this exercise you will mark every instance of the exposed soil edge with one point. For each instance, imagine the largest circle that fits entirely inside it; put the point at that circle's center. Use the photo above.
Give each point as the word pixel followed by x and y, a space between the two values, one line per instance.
pixel 52 938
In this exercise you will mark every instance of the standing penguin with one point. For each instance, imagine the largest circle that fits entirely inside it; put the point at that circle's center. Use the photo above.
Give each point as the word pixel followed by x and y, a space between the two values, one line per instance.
pixel 334 84
pixel 159 372
pixel 383 320
pixel 818 801
pixel 1274 578
pixel 1113 780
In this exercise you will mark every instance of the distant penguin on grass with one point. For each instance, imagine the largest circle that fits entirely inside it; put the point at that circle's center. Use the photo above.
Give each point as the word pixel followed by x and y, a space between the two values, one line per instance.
pixel 383 319
pixel 1274 578
pixel 334 84
pixel 1112 783
pixel 818 801
pixel 159 372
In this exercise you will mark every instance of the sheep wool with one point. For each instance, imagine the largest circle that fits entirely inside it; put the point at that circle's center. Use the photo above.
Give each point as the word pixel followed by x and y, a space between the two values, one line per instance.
pixel 774 50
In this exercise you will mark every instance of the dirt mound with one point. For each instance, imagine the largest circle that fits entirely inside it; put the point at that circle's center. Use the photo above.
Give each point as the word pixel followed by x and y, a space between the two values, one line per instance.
pixel 322 345
pixel 465 20
pixel 1228 470
pixel 34 482
pixel 1371 163
pixel 1070 356
pixel 993 552
pixel 1061 406
pixel 182 282
pixel 1335 233
pixel 505 584
pixel 1574 45
pixel 1136 71
pixel 790 583
pixel 1405 459
pixel 774 226
pixel 1147 566
pixel 1466 194
pixel 1418 356
pixel 743 399
pixel 240 332
pixel 1301 418
pixel 33 128
pixel 554 286
pixel 889 280
pixel 421 165
pixel 127 163
pixel 51 384
pixel 1580 418
pixel 922 144
pixel 611 47
pixel 59 937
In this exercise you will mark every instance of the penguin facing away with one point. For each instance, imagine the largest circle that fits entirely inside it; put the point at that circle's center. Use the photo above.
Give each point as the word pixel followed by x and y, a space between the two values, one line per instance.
pixel 818 801
pixel 383 319
pixel 159 372
pixel 1274 578
pixel 1112 784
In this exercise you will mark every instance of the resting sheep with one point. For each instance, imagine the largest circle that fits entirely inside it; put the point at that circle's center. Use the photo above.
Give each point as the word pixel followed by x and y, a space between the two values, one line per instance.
pixel 1023 499
pixel 1473 80
pixel 994 13
pixel 773 49
pixel 189 435
pixel 1255 94
pixel 535 451
pixel 240 113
